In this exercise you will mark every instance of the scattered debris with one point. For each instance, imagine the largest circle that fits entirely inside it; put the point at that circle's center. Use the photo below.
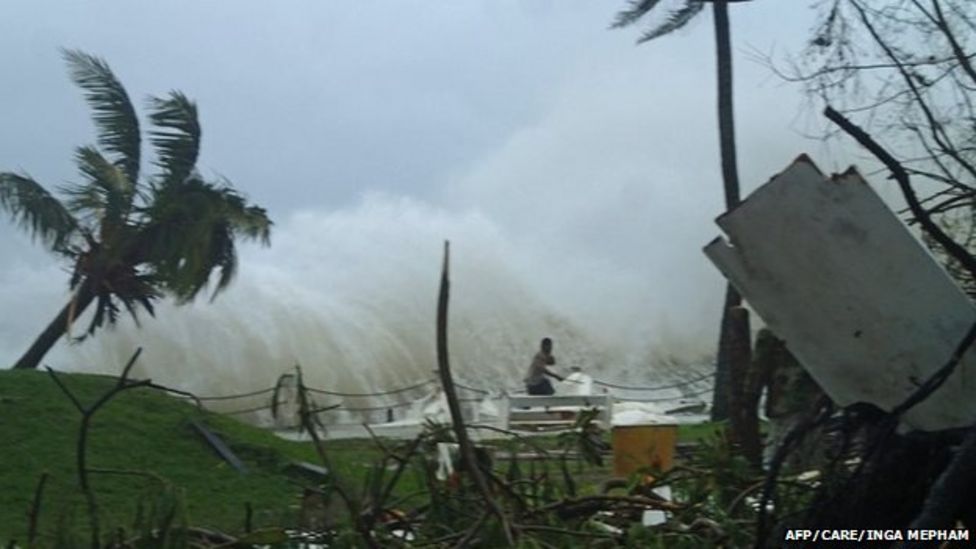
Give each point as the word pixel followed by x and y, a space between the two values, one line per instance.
pixel 309 471
pixel 219 446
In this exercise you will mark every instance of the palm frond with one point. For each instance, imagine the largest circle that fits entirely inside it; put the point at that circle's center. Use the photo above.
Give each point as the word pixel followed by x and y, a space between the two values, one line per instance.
pixel 37 211
pixel 676 20
pixel 250 222
pixel 87 202
pixel 105 311
pixel 106 197
pixel 253 223
pixel 114 116
pixel 126 286
pixel 137 290
pixel 177 139
pixel 225 255
pixel 236 219
pixel 102 172
pixel 191 232
pixel 637 9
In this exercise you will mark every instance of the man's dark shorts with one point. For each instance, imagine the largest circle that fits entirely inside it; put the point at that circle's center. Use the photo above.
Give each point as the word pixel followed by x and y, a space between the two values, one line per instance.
pixel 541 388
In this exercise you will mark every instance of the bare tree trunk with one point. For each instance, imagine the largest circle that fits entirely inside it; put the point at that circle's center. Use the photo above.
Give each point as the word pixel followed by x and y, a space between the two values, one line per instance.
pixel 32 358
pixel 468 457
pixel 731 330
pixel 743 400
pixel 723 367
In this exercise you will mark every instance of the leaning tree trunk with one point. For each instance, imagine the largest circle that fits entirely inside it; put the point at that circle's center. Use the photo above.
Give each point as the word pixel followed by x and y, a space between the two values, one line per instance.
pixel 57 327
pixel 733 328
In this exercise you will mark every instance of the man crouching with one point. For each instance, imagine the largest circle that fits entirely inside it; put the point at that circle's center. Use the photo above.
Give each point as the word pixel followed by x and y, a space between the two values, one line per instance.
pixel 535 381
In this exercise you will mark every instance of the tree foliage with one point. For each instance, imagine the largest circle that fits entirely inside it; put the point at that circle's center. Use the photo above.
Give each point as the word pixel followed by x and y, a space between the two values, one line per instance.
pixel 672 20
pixel 133 240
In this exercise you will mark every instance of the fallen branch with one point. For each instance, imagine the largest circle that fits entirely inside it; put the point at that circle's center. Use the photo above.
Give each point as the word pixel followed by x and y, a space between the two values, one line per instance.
pixel 469 535
pixel 517 436
pixel 377 507
pixel 563 531
pixel 604 501
pixel 196 400
pixel 945 498
pixel 792 438
pixel 128 472
pixel 309 422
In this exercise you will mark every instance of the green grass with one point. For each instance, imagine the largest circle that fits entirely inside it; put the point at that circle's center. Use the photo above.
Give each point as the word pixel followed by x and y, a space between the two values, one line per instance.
pixel 148 431
pixel 141 430
pixel 699 431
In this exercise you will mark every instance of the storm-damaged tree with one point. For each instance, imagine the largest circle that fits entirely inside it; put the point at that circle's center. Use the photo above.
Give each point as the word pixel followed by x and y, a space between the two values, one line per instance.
pixel 905 71
pixel 898 76
pixel 734 327
pixel 132 242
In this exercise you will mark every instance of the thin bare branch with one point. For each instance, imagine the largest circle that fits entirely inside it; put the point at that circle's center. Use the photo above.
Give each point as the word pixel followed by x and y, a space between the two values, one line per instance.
pixel 965 61
pixel 81 451
pixel 936 129
pixel 71 396
pixel 35 510
pixel 472 466
pixel 956 251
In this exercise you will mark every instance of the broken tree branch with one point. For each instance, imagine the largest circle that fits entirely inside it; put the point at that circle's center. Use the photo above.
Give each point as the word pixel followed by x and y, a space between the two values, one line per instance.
pixel 81 452
pixel 939 377
pixel 603 501
pixel 901 176
pixel 457 419
pixel 310 423
pixel 377 507
pixel 939 133
pixel 469 536
pixel 552 530
pixel 820 414
pixel 945 498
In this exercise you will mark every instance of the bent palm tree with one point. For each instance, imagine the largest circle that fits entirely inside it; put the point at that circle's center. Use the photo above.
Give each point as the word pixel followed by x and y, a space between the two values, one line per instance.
pixel 731 330
pixel 132 243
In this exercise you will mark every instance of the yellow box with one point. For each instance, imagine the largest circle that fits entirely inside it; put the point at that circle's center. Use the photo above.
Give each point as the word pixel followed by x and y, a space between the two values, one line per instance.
pixel 638 446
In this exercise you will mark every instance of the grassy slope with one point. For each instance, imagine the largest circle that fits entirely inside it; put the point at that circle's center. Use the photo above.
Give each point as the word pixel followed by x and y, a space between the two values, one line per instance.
pixel 143 430
pixel 698 432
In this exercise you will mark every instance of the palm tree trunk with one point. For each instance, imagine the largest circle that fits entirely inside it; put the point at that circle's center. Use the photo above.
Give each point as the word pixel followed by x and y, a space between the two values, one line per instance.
pixel 733 329
pixel 730 333
pixel 726 122
pixel 57 327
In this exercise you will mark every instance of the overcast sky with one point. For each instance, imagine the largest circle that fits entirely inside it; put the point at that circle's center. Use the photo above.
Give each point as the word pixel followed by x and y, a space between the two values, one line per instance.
pixel 556 154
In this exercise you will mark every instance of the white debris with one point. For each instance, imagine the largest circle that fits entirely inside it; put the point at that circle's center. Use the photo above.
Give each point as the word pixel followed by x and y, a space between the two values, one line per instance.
pixel 489 408
pixel 446 454
pixel 640 413
pixel 653 517
pixel 576 383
